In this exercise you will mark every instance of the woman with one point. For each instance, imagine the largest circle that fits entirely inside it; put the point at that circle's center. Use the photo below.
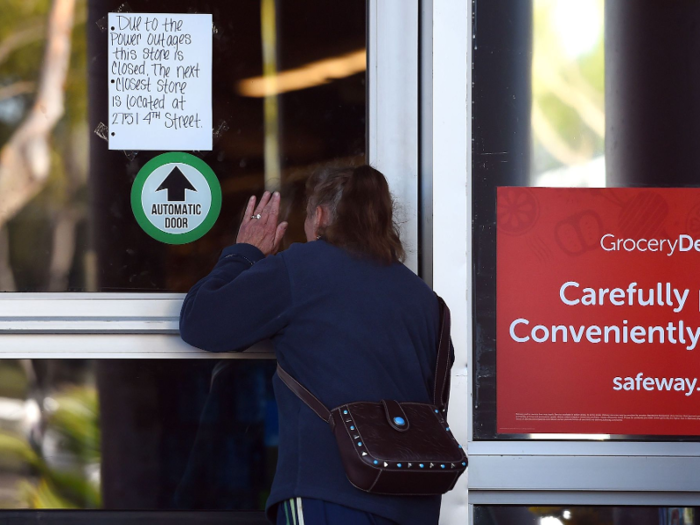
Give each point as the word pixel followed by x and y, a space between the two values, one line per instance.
pixel 348 321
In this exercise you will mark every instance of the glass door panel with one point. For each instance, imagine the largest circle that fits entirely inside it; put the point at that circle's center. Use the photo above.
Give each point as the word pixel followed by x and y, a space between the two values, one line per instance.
pixel 137 434
pixel 74 229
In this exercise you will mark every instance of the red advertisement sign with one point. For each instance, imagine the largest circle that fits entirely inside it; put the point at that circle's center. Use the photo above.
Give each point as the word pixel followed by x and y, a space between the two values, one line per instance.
pixel 598 311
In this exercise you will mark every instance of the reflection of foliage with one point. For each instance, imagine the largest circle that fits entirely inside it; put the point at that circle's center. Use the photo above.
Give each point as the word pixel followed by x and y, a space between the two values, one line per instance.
pixel 568 117
pixel 76 421
pixel 43 497
pixel 17 447
pixel 13 380
pixel 22 41
pixel 73 429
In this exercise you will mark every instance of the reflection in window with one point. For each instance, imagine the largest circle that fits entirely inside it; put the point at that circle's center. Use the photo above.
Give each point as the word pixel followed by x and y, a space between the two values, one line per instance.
pixel 576 515
pixel 538 120
pixel 568 106
pixel 136 434
pixel 288 94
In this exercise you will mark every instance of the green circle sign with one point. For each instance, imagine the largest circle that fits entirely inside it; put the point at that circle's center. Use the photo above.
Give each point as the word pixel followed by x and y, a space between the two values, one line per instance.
pixel 176 198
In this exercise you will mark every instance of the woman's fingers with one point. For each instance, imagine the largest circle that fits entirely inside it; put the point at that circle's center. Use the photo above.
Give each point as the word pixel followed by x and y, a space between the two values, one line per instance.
pixel 272 210
pixel 249 209
pixel 263 202
pixel 263 233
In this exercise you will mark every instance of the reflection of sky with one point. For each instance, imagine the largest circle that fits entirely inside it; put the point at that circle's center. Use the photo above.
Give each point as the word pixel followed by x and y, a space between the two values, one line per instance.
pixel 577 24
pixel 11 109
pixel 587 175
pixel 568 113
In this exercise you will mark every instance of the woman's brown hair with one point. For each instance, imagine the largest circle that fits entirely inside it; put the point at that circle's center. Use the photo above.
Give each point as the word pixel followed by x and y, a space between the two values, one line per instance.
pixel 361 211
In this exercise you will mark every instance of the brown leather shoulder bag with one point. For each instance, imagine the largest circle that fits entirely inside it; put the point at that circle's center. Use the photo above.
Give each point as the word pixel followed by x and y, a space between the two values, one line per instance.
pixel 396 448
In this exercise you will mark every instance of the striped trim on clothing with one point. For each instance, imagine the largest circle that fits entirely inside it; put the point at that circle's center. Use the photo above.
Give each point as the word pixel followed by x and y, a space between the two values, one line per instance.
pixel 293 511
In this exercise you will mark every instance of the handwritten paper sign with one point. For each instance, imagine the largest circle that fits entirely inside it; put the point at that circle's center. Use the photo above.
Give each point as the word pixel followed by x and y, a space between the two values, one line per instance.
pixel 160 81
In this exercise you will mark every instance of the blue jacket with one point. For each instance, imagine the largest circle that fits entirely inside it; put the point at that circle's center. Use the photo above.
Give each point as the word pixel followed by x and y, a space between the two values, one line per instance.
pixel 347 328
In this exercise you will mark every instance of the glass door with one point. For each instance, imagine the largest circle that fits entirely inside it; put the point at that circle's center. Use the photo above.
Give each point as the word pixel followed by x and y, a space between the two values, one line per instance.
pixel 101 405
pixel 572 101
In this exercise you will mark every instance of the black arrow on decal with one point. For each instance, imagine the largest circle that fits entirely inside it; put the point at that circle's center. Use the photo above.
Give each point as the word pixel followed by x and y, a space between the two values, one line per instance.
pixel 176 183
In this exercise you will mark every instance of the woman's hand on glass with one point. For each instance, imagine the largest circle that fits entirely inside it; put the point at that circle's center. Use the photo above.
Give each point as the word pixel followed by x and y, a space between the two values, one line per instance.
pixel 260 225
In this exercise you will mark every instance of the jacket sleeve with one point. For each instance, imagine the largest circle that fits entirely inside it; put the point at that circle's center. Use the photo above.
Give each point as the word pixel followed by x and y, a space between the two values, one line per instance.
pixel 246 298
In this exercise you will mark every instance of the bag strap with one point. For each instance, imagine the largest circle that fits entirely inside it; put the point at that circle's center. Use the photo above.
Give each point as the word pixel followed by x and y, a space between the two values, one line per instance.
pixel 302 393
pixel 441 393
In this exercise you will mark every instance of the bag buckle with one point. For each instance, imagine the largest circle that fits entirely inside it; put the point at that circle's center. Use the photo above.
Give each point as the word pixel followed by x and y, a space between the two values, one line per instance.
pixel 395 415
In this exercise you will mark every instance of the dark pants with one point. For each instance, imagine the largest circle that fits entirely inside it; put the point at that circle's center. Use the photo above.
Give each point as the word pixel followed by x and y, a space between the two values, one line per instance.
pixel 305 511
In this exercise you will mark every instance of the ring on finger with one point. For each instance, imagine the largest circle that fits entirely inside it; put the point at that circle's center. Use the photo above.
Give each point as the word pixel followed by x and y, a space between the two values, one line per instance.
pixel 256 216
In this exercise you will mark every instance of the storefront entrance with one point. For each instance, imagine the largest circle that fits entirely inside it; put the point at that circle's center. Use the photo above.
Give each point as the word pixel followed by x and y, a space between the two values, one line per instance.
pixel 102 406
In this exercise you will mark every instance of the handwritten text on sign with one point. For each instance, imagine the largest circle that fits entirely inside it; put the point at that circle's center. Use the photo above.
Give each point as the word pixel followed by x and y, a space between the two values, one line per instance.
pixel 160 81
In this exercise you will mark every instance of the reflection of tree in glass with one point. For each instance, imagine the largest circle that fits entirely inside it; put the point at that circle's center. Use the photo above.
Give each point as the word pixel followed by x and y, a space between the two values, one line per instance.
pixel 42 129
pixel 568 117
pixel 56 453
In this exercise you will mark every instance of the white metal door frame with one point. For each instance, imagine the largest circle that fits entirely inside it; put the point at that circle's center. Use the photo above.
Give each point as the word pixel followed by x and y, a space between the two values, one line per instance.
pixel 419 121
pixel 445 163
pixel 393 118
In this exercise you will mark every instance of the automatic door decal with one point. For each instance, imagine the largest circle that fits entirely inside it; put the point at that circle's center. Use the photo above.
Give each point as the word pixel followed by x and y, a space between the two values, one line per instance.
pixel 176 198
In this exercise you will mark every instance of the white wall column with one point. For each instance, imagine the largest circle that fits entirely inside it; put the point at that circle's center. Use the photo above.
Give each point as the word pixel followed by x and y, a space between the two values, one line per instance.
pixel 392 74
